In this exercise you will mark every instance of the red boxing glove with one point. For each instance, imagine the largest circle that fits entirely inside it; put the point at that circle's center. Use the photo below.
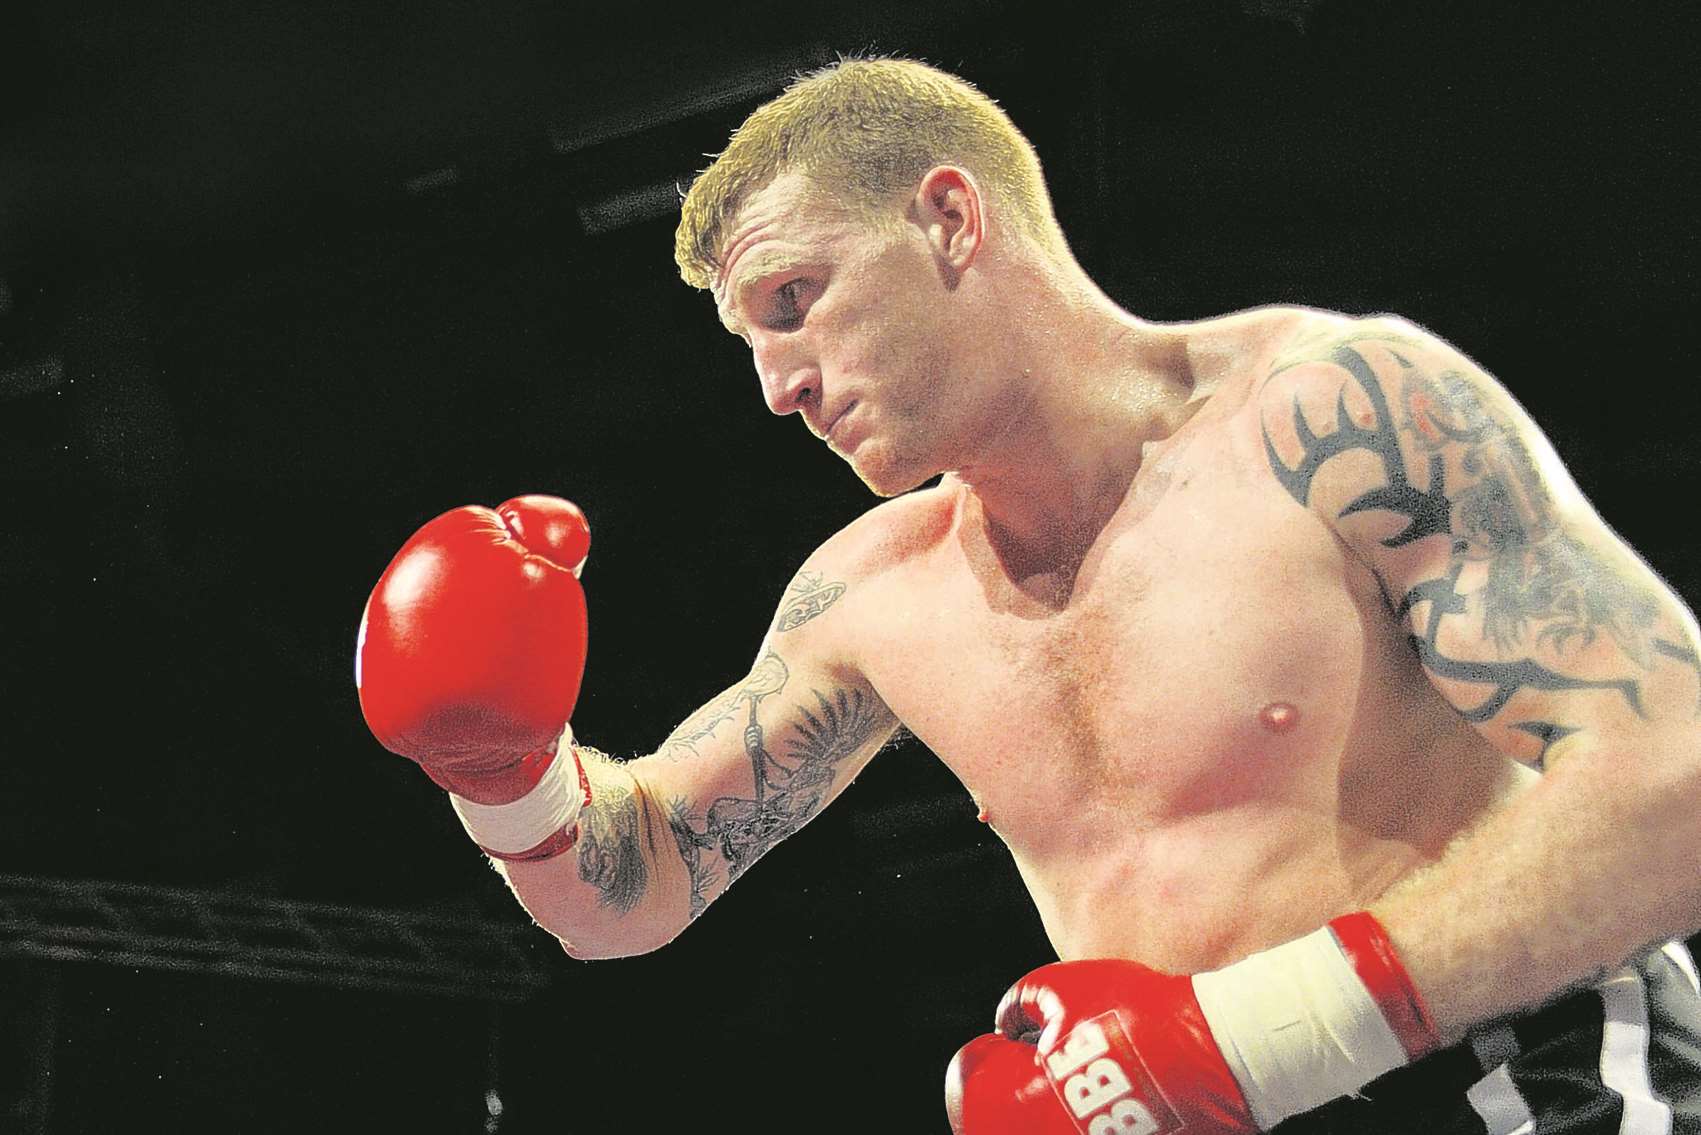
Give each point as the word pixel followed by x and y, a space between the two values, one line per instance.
pixel 995 1086
pixel 469 659
pixel 1128 1050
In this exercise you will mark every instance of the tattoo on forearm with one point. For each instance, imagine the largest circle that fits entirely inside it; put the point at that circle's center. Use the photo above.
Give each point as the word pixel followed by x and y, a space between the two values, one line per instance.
pixel 1542 587
pixel 810 596
pixel 787 791
pixel 610 858
pixel 699 868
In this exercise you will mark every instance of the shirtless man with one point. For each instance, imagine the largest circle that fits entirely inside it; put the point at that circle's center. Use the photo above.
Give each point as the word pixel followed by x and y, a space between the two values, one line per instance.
pixel 1278 648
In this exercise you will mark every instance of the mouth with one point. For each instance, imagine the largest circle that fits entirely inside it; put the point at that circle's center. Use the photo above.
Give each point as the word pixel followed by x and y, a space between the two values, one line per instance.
pixel 827 432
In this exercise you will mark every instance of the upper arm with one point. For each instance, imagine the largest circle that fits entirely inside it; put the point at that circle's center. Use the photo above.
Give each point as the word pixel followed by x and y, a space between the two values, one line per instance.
pixel 758 761
pixel 1530 616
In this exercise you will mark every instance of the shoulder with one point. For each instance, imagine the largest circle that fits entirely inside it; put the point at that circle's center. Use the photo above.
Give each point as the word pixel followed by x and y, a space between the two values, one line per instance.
pixel 1325 337
pixel 1258 332
pixel 859 565
pixel 891 535
pixel 1381 368
pixel 1275 337
pixel 1232 356
pixel 1395 435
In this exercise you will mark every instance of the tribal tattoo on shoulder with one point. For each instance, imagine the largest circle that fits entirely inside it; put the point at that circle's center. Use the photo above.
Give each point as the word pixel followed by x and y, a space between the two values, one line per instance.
pixel 1541 587
pixel 788 789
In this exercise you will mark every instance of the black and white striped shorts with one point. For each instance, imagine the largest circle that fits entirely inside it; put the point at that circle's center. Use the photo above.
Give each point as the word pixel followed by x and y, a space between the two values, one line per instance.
pixel 1622 1057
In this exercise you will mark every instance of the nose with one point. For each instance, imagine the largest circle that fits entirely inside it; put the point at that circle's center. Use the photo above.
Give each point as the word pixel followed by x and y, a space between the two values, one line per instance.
pixel 789 383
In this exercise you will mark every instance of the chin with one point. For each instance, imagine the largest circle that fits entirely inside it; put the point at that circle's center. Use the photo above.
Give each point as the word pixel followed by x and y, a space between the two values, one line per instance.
pixel 886 477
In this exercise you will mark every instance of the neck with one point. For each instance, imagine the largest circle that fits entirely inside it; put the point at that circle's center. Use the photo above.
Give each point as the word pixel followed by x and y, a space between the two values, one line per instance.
pixel 1087 389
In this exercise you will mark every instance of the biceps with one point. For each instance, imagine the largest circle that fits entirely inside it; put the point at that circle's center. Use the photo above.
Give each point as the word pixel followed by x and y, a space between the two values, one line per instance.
pixel 1567 636
pixel 1526 612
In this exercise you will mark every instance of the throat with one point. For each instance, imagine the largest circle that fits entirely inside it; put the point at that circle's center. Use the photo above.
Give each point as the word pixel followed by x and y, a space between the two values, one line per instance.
pixel 1049 590
pixel 1037 565
pixel 1037 521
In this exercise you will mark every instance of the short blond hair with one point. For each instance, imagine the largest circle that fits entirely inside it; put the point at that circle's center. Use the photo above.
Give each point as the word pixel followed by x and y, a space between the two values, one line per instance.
pixel 866 129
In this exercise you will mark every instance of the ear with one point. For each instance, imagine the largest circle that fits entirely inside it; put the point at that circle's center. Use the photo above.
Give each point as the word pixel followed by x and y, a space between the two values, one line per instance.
pixel 948 207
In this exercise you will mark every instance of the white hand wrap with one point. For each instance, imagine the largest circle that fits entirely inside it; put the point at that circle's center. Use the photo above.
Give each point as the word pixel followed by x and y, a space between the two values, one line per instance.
pixel 1297 1026
pixel 522 826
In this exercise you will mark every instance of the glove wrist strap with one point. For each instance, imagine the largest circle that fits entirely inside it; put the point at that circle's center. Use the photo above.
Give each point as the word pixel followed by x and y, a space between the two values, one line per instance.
pixel 539 825
pixel 1315 1018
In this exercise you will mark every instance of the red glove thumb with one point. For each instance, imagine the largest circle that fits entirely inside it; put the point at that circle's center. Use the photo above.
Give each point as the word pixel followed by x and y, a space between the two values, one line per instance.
pixel 994 1086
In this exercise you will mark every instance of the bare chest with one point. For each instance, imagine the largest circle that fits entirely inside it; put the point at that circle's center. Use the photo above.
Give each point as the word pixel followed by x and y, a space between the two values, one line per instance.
pixel 1216 647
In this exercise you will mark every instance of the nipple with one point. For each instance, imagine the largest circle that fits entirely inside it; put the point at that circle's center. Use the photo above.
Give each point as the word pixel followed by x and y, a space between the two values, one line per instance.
pixel 981 813
pixel 1278 717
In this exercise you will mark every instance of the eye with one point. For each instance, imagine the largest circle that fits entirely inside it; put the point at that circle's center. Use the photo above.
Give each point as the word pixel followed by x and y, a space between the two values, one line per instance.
pixel 788 304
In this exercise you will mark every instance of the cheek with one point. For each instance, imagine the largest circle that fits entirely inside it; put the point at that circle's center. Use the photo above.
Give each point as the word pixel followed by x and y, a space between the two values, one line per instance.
pixel 885 342
pixel 902 347
pixel 874 355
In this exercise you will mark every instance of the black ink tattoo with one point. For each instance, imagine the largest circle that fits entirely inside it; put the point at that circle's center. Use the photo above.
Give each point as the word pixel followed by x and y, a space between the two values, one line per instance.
pixel 1508 678
pixel 1426 511
pixel 1542 588
pixel 769 675
pixel 787 792
pixel 1547 733
pixel 811 597
pixel 1536 573
pixel 805 582
pixel 1572 596
pixel 700 726
pixel 610 858
pixel 699 869
pixel 1681 653
pixel 1684 655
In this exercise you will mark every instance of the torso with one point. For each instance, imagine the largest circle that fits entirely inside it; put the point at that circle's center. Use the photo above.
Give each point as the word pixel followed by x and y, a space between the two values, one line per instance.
pixel 1214 737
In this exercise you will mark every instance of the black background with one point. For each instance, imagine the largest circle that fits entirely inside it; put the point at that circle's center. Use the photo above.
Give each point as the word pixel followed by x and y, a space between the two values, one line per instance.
pixel 316 272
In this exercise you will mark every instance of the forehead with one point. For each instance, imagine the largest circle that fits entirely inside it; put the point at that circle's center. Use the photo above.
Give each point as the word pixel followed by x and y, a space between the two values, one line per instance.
pixel 787 218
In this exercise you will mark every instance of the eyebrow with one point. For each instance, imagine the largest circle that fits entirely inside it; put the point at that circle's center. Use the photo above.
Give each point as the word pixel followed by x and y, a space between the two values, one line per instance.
pixel 757 266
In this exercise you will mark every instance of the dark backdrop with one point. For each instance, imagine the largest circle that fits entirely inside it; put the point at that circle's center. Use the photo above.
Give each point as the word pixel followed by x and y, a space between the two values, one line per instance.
pixel 280 285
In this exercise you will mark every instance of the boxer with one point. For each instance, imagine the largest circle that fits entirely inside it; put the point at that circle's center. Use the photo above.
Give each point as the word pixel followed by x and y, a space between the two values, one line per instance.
pixel 1352 761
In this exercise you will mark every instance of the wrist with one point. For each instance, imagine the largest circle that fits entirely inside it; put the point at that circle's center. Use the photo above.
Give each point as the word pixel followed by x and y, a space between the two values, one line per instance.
pixel 1365 944
pixel 542 822
pixel 1315 1018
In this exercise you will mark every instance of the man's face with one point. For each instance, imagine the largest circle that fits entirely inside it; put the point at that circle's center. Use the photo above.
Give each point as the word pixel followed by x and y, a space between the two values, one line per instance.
pixel 847 320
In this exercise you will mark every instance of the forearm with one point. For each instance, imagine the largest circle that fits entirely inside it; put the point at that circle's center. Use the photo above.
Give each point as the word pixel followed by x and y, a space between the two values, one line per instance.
pixel 666 834
pixel 621 889
pixel 1599 860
